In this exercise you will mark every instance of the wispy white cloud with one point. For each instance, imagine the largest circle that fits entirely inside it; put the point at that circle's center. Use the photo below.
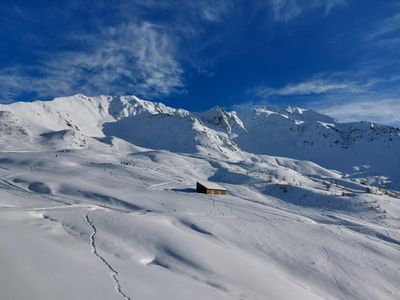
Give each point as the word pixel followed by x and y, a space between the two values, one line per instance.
pixel 136 58
pixel 286 10
pixel 387 27
pixel 385 33
pixel 345 96
pixel 331 4
pixel 134 53
pixel 215 11
pixel 138 53
pixel 310 87
pixel 385 111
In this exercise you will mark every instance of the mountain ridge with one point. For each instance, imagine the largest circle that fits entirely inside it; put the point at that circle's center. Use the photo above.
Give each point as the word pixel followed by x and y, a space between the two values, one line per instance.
pixel 365 149
pixel 116 176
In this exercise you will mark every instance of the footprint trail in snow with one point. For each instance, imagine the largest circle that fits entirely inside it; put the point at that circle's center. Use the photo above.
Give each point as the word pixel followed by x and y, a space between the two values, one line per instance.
pixel 114 273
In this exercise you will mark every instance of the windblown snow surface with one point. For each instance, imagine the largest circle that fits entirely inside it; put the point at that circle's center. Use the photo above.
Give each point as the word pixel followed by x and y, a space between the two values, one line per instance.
pixel 97 201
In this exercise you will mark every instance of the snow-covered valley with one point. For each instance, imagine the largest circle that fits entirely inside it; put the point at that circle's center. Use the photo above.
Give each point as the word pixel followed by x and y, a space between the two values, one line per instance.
pixel 97 201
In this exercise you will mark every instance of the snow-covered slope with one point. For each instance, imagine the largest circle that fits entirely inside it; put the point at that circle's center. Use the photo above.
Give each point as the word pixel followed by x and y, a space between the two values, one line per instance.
pixel 363 150
pixel 137 121
pixel 353 148
pixel 97 201
pixel 360 150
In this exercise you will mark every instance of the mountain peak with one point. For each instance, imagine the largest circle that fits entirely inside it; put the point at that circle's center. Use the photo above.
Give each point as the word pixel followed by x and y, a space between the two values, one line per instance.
pixel 291 132
pixel 217 117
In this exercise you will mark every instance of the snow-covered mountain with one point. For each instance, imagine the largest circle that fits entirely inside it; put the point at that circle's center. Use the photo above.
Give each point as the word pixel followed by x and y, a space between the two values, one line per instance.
pixel 360 149
pixel 354 148
pixel 97 201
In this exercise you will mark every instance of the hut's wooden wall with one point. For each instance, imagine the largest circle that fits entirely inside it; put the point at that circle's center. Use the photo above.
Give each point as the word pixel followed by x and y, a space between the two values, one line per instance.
pixel 216 192
pixel 202 189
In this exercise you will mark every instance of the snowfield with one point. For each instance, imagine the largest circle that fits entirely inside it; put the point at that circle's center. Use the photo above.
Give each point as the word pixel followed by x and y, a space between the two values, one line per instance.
pixel 97 201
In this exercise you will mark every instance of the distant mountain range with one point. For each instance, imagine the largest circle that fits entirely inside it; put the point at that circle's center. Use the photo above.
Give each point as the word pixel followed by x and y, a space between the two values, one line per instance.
pixel 360 149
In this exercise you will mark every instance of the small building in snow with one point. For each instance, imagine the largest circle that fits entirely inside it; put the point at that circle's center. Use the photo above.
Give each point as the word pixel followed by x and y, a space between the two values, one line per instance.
pixel 210 188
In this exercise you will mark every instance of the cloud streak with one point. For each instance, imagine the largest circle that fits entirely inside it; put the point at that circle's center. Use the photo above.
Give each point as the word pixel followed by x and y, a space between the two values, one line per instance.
pixel 385 111
pixel 387 27
pixel 341 95
pixel 131 58
pixel 287 10
pixel 128 52
pixel 142 47
pixel 310 87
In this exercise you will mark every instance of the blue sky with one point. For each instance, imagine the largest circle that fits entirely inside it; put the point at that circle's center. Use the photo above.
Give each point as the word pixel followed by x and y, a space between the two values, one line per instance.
pixel 341 57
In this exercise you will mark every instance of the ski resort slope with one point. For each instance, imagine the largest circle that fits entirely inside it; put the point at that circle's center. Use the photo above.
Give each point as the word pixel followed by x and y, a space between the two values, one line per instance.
pixel 91 208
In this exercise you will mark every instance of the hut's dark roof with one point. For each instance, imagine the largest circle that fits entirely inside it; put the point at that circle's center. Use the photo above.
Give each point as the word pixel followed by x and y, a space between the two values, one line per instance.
pixel 211 185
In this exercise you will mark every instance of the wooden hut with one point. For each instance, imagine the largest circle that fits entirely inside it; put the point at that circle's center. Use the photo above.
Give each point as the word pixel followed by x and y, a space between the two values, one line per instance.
pixel 210 188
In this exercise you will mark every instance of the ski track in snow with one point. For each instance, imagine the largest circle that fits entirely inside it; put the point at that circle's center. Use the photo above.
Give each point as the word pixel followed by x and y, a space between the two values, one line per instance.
pixel 157 186
pixel 324 247
pixel 114 273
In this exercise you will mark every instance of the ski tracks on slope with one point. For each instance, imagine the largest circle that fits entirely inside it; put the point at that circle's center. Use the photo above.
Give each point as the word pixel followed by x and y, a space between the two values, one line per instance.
pixel 114 273
pixel 157 186
pixel 324 247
